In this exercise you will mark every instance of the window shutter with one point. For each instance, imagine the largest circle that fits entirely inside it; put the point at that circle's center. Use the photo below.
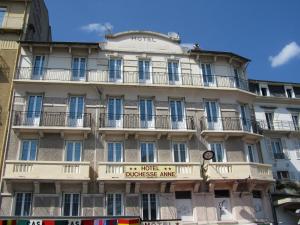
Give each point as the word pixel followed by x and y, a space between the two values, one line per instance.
pixel 285 148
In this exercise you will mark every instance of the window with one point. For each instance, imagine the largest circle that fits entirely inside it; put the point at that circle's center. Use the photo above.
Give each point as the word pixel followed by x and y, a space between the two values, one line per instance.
pixel 177 114
pixel 212 113
pixel 73 151
pixel 217 148
pixel 23 204
pixel 207 74
pixel 173 71
pixel 277 148
pixel 251 153
pixel 147 152
pixel 146 113
pixel 115 110
pixel 289 92
pixel 76 110
pixel 114 204
pixel 283 175
pixel 38 67
pixel 180 152
pixel 149 207
pixel 236 77
pixel 71 204
pixel 295 118
pixel 115 152
pixel 34 109
pixel 245 117
pixel 2 15
pixel 78 68
pixel 115 69
pixel 144 70
pixel 28 150
pixel 269 118
pixel 264 91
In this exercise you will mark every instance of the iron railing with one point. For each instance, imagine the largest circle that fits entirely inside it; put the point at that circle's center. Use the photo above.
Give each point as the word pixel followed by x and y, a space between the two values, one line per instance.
pixel 229 124
pixel 279 125
pixel 51 119
pixel 138 121
pixel 129 77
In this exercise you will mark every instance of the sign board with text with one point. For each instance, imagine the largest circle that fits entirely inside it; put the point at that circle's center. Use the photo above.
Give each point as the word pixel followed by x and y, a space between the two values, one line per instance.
pixel 150 171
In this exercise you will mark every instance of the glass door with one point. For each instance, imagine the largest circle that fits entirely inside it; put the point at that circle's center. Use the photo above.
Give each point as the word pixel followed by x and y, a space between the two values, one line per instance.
pixel 73 151
pixel 218 149
pixel 76 111
pixel 144 71
pixel 251 154
pixel 38 67
pixel 147 152
pixel 214 121
pixel 173 72
pixel 177 114
pixel 34 109
pixel 115 109
pixel 208 78
pixel 149 206
pixel 115 70
pixel 146 113
pixel 79 69
pixel 245 118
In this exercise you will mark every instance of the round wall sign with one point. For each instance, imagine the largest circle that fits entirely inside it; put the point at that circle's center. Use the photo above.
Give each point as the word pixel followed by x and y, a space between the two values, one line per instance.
pixel 208 155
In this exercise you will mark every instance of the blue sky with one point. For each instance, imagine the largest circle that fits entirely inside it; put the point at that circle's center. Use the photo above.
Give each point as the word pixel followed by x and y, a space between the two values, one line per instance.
pixel 257 29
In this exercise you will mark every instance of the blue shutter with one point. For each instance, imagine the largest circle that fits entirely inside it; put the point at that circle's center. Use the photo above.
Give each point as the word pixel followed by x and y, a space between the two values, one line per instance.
pixel 170 71
pixel 72 107
pixel 208 112
pixel 182 153
pixel 149 110
pixel 143 110
pixel 82 67
pixel 118 69
pixel 147 70
pixel 30 106
pixel 173 111
pixel 112 69
pixel 143 152
pixel 118 152
pixel 151 152
pixel 33 149
pixel 214 111
pixel 179 111
pixel 77 151
pixel 25 150
pixel 38 106
pixel 69 153
pixel 111 109
pixel 110 153
pixel 2 15
pixel 176 153
pixel 79 107
pixel 141 70
pixel 176 71
pixel 75 67
pixel 118 109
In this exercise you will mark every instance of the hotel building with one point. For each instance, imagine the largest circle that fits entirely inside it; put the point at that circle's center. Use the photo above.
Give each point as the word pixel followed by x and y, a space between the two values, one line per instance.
pixel 119 128
pixel 277 109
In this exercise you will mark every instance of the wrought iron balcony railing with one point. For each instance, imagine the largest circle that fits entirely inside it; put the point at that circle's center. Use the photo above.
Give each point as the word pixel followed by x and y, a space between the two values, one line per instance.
pixel 279 125
pixel 51 119
pixel 128 77
pixel 228 124
pixel 138 121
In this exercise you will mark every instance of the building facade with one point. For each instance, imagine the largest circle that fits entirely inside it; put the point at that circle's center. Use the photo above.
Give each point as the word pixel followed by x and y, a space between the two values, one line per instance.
pixel 19 20
pixel 119 128
pixel 277 112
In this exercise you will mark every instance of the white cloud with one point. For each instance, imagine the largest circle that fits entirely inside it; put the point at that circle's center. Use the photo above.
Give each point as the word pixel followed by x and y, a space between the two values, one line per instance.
pixel 99 28
pixel 288 52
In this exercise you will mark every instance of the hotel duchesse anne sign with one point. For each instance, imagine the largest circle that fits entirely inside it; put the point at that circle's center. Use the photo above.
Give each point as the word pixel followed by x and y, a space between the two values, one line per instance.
pixel 150 171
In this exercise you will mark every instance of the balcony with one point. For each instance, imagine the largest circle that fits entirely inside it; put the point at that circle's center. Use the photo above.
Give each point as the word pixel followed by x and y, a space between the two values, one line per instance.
pixel 138 124
pixel 52 122
pixel 46 170
pixel 237 170
pixel 224 127
pixel 148 171
pixel 280 126
pixel 130 78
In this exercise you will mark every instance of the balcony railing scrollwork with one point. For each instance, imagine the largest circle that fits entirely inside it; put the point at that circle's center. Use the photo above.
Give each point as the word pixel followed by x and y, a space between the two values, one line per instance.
pixel 279 125
pixel 229 124
pixel 51 119
pixel 138 121
pixel 131 77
